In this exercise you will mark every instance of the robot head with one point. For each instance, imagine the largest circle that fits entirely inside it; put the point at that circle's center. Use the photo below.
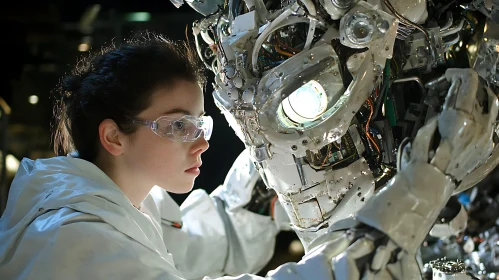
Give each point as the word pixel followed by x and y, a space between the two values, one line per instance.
pixel 297 82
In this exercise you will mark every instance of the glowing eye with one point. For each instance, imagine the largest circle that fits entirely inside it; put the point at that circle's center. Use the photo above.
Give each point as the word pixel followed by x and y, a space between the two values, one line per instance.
pixel 305 104
pixel 178 125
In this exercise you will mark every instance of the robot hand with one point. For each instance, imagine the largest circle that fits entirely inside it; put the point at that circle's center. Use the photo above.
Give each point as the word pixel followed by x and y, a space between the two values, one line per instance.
pixel 465 125
pixel 395 221
pixel 244 188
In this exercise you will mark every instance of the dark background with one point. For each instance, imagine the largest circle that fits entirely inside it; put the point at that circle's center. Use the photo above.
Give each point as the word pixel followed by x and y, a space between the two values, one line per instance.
pixel 40 42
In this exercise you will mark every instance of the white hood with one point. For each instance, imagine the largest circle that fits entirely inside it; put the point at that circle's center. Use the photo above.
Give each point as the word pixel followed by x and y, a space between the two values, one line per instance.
pixel 45 185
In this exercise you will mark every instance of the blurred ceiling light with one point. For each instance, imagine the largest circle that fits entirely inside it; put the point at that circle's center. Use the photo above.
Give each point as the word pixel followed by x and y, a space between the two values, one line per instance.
pixel 83 47
pixel 11 163
pixel 485 39
pixel 88 17
pixel 33 99
pixel 5 107
pixel 461 44
pixel 296 248
pixel 139 16
pixel 472 49
pixel 497 48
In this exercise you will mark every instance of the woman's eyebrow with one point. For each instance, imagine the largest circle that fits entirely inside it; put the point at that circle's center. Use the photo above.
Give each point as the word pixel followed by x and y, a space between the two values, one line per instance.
pixel 177 110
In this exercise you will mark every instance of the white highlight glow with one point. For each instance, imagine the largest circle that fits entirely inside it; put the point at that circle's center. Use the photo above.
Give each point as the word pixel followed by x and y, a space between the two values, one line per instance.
pixel 12 163
pixel 306 103
pixel 83 47
pixel 33 99
pixel 296 248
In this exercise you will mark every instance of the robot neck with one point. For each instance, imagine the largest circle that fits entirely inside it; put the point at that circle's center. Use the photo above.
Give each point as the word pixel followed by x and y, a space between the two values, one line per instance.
pixel 328 185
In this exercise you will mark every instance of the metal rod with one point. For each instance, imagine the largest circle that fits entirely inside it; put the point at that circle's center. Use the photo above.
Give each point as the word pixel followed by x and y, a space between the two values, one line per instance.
pixel 406 21
pixel 412 79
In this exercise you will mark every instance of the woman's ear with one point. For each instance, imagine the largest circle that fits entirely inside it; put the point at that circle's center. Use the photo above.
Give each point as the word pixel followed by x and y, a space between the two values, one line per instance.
pixel 111 138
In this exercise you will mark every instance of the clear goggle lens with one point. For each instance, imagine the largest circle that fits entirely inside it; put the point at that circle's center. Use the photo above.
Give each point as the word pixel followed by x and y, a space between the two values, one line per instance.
pixel 182 129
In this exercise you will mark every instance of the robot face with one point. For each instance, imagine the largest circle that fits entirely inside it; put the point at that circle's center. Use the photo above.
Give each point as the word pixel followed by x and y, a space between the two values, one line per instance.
pixel 290 79
pixel 282 85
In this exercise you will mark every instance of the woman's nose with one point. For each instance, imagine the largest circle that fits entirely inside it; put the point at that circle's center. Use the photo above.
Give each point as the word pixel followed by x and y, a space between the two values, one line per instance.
pixel 200 145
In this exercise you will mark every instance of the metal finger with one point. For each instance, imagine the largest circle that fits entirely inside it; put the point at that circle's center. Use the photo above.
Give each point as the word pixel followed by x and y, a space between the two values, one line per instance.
pixel 345 264
pixel 382 256
pixel 405 267
pixel 360 248
pixel 438 84
pixel 442 155
pixel 403 155
pixel 333 248
pixel 345 267
pixel 421 144
pixel 452 93
pixel 325 238
pixel 467 91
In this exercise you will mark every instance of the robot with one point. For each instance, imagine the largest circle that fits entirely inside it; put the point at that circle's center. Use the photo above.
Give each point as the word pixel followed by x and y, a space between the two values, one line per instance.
pixel 361 116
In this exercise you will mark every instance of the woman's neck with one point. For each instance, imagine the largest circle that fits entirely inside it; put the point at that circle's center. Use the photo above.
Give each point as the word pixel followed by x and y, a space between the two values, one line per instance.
pixel 135 190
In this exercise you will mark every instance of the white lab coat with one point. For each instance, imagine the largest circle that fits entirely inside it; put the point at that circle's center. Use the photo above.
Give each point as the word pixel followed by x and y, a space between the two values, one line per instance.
pixel 65 219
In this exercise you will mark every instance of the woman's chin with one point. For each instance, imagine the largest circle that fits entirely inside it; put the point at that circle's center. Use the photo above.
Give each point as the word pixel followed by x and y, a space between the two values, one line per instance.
pixel 179 188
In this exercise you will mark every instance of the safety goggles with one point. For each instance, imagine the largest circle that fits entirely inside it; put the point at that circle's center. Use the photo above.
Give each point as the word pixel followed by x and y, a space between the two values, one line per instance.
pixel 180 129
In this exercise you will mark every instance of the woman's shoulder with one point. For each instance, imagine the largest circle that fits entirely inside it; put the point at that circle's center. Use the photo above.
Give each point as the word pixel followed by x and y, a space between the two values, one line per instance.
pixel 83 233
pixel 55 220
pixel 64 244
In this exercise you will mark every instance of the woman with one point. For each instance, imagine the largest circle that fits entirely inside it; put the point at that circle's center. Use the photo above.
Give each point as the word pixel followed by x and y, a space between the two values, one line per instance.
pixel 131 118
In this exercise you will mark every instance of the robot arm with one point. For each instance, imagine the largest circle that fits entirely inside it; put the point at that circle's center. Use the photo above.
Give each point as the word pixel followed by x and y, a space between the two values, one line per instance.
pixel 394 222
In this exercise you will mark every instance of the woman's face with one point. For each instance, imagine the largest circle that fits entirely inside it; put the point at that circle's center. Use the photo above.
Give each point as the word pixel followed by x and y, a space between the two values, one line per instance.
pixel 160 161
